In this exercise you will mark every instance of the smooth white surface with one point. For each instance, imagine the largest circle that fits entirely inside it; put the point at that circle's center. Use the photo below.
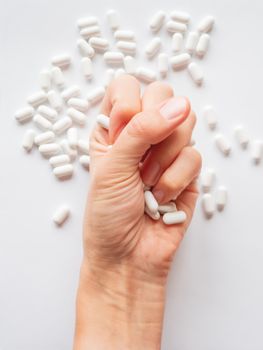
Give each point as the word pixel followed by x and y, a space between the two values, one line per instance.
pixel 214 298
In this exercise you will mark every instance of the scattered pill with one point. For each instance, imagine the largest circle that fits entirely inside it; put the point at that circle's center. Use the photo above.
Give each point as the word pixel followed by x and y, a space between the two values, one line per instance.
pixel 242 136
pixel 85 161
pixel 85 48
pixel 62 61
pixel 176 217
pixel 109 76
pixel 173 27
pixel 208 180
pixel 157 21
pixel 180 61
pixel 83 146
pixel 208 205
pixel 87 67
pixel 63 171
pixel 150 202
pixel 119 72
pixel 72 91
pixel 257 151
pixel 96 95
pixel 163 64
pixel 191 42
pixel 222 144
pixel 196 73
pixel 177 42
pixel 206 24
pixel 61 215
pixel 79 104
pixel 47 112
pixel 55 100
pixel 146 75
pixel 89 32
pixel 127 47
pixel 113 58
pixel 77 116
pixel 42 123
pixel 37 98
pixel 87 22
pixel 58 77
pixel 99 44
pixel 71 152
pixel 155 216
pixel 167 208
pixel 210 116
pixel 153 47
pixel 113 19
pixel 28 140
pixel 25 114
pixel 130 65
pixel 124 35
pixel 202 45
pixel 103 121
pixel 59 160
pixel 72 134
pixel 221 198
pixel 49 149
pixel 62 125
pixel 45 79
pixel 180 16
pixel 44 137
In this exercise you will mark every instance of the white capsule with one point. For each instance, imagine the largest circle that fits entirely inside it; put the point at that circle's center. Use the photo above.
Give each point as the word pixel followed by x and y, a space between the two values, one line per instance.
pixel 55 100
pixel 202 45
pixel 208 205
pixel 124 35
pixel 37 98
pixel 28 140
pixel 25 114
pixel 119 72
pixel 113 18
pixel 45 80
pixel 83 146
pixel 85 48
pixel 221 198
pixel 72 134
pixel 96 95
pixel 49 149
pixel 71 152
pixel 157 21
pixel 47 112
pixel 176 217
pixel 127 47
pixel 109 76
pixel 150 202
pixel 87 67
pixel 163 64
pixel 207 180
pixel 180 61
pixel 63 171
pixel 99 44
pixel 257 151
pixel 169 207
pixel 85 161
pixel 242 136
pixel 191 42
pixel 62 125
pixel 79 104
pixel 59 160
pixel 206 24
pixel 103 121
pixel 222 144
pixel 130 65
pixel 146 75
pixel 113 58
pixel 77 116
pixel 196 73
pixel 87 22
pixel 153 47
pixel 210 116
pixel 42 123
pixel 62 61
pixel 89 32
pixel 155 216
pixel 58 77
pixel 173 27
pixel 61 215
pixel 72 91
pixel 44 137
pixel 180 16
pixel 177 42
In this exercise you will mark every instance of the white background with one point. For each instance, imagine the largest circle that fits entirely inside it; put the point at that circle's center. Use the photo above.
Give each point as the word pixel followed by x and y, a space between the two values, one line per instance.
pixel 215 290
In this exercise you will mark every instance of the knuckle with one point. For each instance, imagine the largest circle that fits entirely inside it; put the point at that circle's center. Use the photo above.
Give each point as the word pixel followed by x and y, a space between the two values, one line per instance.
pixel 127 110
pixel 170 183
pixel 160 85
pixel 193 117
pixel 194 156
pixel 136 127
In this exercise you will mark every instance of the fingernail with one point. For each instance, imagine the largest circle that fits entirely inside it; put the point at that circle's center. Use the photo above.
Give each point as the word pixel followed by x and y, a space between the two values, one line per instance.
pixel 152 173
pixel 159 195
pixel 174 107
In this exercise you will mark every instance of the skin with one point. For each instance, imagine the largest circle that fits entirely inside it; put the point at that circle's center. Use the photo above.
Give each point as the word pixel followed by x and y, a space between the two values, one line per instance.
pixel 127 255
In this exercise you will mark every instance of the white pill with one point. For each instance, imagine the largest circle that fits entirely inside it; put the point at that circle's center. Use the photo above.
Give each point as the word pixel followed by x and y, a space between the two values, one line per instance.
pixel 55 100
pixel 180 16
pixel 257 151
pixel 223 144
pixel 63 171
pixel 169 207
pixel 45 80
pixel 99 44
pixel 103 121
pixel 87 22
pixel 85 161
pixel 127 47
pixel 157 21
pixel 208 180
pixel 208 205
pixel 206 24
pixel 150 202
pixel 42 122
pixel 221 198
pixel 71 152
pixel 119 72
pixel 163 64
pixel 77 116
pixel 153 47
pixel 49 149
pixel 130 65
pixel 62 125
pixel 196 73
pixel 62 61
pixel 242 136
pixel 177 42
pixel 173 27
pixel 61 215
pixel 211 117
pixel 176 217
pixel 109 76
pixel 124 35
pixel 28 140
pixel 25 114
pixel 87 67
pixel 202 45
pixel 85 48
pixel 79 104
pixel 47 112
pixel 180 61
pixel 89 32
pixel 96 95
pixel 72 134
pixel 145 75
pixel 59 160
pixel 58 77
pixel 72 91
pixel 37 98
pixel 83 146
pixel 113 58
pixel 155 216
pixel 113 18
pixel 44 137
pixel 191 42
